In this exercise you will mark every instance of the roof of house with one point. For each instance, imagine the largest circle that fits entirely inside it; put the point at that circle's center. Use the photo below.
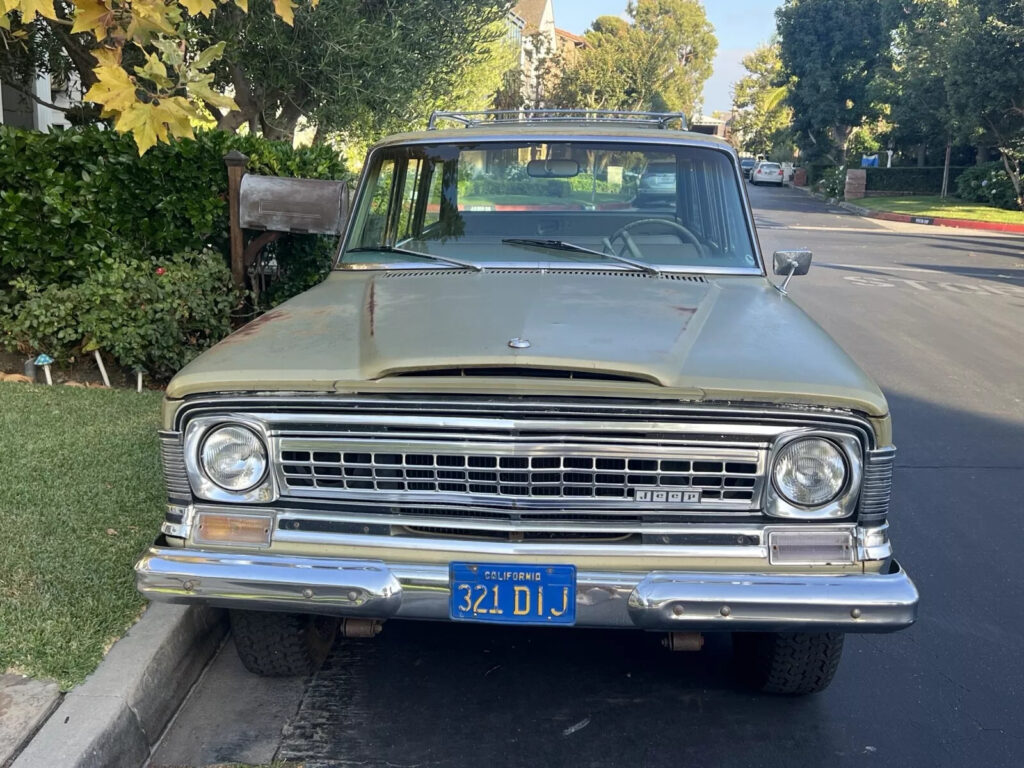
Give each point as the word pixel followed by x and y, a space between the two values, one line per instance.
pixel 570 36
pixel 532 12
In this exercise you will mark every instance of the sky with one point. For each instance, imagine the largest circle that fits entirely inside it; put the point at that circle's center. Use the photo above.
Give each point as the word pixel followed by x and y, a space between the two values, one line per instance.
pixel 740 25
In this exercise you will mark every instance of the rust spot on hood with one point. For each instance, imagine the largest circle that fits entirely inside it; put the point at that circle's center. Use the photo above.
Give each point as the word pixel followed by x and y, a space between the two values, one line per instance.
pixel 371 303
pixel 251 329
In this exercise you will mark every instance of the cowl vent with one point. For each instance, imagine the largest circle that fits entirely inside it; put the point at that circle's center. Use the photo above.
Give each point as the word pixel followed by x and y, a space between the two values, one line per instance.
pixel 586 272
pixel 522 371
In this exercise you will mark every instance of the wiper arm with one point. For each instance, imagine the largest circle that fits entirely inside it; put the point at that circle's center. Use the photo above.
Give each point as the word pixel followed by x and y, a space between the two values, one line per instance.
pixel 419 254
pixel 562 245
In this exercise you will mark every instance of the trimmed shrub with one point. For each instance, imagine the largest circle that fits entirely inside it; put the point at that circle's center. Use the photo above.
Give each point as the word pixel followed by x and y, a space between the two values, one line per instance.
pixel 85 223
pixel 913 180
pixel 152 314
pixel 988 184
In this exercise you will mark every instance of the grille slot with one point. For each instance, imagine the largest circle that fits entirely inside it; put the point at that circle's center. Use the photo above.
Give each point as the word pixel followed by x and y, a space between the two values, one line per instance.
pixel 534 472
pixel 876 488
pixel 172 459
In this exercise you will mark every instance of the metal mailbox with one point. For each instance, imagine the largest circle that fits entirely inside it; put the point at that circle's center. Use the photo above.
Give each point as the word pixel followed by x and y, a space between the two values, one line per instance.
pixel 309 206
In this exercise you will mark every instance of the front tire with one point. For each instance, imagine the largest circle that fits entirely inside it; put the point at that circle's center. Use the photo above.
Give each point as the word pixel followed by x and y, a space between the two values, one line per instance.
pixel 790 663
pixel 282 644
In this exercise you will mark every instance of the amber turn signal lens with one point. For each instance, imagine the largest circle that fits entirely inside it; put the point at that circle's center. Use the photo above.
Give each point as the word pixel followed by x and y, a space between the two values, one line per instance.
pixel 233 529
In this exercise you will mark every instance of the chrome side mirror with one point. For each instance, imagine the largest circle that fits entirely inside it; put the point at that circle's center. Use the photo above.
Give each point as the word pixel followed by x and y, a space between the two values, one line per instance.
pixel 791 263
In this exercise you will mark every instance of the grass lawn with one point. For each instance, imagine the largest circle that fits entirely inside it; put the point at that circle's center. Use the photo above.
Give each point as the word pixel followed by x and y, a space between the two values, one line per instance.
pixel 80 497
pixel 947 208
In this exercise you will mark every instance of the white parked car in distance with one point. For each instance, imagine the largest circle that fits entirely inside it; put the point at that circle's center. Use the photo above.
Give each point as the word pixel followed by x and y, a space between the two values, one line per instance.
pixel 768 173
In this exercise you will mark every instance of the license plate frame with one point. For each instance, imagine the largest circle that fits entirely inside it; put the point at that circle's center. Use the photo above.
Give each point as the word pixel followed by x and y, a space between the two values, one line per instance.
pixel 526 595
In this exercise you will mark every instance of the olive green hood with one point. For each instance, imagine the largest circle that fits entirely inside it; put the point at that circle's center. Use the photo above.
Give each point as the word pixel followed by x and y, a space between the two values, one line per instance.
pixel 614 333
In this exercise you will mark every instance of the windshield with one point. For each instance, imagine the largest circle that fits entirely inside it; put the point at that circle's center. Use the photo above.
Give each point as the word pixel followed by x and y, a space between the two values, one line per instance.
pixel 480 204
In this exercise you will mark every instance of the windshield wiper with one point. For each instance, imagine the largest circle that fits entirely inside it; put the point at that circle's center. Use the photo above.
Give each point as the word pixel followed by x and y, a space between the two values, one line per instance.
pixel 562 245
pixel 419 254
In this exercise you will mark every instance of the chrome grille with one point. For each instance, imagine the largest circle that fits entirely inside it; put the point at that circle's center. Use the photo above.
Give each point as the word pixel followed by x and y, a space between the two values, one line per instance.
pixel 876 489
pixel 172 459
pixel 537 472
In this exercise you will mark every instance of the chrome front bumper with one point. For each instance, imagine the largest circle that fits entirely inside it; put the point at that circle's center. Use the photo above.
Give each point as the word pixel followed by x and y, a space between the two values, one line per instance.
pixel 659 600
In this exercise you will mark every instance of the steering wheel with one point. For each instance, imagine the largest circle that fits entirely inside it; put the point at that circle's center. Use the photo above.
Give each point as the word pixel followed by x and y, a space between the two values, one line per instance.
pixel 623 232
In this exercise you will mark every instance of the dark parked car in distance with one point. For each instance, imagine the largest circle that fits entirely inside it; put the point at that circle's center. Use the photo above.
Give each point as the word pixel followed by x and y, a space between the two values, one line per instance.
pixel 747 165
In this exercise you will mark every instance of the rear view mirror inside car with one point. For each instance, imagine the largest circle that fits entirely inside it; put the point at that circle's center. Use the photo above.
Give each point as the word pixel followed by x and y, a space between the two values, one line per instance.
pixel 553 169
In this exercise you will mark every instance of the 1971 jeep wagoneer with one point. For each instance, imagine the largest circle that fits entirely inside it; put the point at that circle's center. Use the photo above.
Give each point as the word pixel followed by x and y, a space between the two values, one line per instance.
pixel 521 398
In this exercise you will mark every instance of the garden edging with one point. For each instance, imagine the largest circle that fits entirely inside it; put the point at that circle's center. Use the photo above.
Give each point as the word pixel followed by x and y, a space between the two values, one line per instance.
pixel 116 716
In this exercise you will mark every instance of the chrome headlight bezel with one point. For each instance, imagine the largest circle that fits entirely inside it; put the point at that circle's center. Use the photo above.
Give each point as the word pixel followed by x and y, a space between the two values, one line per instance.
pixel 843 505
pixel 203 486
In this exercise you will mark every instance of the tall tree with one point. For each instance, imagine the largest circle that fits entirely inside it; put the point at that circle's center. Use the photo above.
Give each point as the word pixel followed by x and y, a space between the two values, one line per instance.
pixel 658 60
pixel 832 48
pixel 986 79
pixel 914 87
pixel 759 101
pixel 355 66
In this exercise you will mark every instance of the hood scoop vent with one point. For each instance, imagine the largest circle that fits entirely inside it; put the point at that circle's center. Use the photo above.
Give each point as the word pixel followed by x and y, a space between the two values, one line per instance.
pixel 522 371
pixel 533 270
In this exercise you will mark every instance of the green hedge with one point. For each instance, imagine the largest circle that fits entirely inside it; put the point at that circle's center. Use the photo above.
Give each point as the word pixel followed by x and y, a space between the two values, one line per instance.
pixel 81 213
pixel 988 184
pixel 918 181
pixel 68 198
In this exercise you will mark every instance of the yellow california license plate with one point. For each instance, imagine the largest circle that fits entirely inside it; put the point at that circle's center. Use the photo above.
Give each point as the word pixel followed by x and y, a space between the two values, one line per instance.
pixel 513 594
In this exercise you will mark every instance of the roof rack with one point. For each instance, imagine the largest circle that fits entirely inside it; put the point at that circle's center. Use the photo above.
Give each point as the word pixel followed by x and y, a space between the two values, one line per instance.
pixel 502 116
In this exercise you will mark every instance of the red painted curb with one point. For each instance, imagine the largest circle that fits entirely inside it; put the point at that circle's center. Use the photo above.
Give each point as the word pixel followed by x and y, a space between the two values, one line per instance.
pixel 992 226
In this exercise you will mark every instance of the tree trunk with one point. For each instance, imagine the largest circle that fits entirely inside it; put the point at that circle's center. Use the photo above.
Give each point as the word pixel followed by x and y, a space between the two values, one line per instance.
pixel 922 154
pixel 842 134
pixel 1014 173
pixel 982 156
pixel 281 127
pixel 945 170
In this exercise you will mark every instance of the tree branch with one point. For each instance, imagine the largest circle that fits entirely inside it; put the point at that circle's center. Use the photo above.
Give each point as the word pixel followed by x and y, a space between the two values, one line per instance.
pixel 29 94
pixel 80 56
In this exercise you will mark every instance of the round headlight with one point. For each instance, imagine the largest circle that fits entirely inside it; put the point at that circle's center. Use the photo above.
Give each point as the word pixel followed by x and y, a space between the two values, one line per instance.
pixel 809 472
pixel 234 458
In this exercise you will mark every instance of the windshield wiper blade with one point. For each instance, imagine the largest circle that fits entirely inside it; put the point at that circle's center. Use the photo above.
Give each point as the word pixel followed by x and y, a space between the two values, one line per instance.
pixel 419 254
pixel 562 245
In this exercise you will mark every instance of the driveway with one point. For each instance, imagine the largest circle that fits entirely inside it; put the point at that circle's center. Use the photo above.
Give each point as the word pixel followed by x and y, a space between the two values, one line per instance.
pixel 937 316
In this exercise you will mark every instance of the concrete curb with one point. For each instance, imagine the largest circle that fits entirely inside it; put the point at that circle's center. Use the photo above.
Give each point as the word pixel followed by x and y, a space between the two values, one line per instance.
pixel 906 218
pixel 115 717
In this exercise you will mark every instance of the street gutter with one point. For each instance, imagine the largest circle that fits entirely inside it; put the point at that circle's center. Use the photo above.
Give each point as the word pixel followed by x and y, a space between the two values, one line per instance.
pixel 116 716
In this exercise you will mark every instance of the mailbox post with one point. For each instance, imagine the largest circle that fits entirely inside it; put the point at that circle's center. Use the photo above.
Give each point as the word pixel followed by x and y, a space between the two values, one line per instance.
pixel 236 161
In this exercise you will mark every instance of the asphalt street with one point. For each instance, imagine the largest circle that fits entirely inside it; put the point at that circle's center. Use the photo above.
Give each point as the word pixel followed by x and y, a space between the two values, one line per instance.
pixel 937 317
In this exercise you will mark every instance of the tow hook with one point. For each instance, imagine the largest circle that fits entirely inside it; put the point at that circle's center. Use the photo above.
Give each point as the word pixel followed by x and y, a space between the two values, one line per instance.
pixel 683 641
pixel 361 627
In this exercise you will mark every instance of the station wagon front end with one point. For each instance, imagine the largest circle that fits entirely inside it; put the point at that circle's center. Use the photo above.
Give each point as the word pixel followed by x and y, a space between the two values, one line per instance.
pixel 530 395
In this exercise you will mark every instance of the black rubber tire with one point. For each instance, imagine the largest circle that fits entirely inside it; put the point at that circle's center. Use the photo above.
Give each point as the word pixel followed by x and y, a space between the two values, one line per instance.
pixel 790 663
pixel 282 644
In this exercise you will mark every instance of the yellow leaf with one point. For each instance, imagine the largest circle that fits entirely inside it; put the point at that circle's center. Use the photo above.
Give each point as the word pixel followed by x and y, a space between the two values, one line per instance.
pixel 5 23
pixel 29 9
pixel 196 7
pixel 93 16
pixel 107 57
pixel 179 114
pixel 314 3
pixel 144 122
pixel 155 71
pixel 200 88
pixel 113 89
pixel 243 4
pixel 209 55
pixel 153 16
pixel 285 9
